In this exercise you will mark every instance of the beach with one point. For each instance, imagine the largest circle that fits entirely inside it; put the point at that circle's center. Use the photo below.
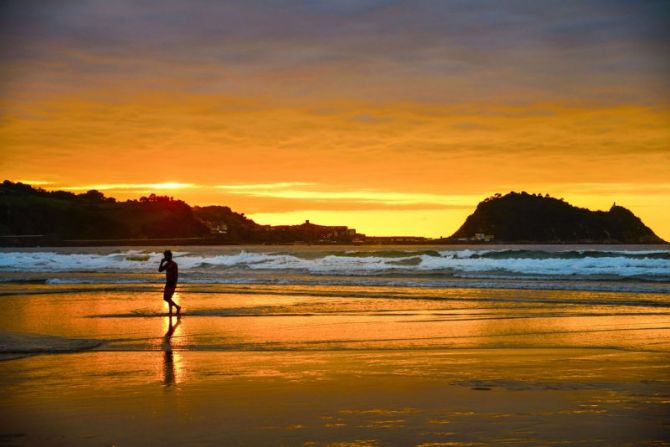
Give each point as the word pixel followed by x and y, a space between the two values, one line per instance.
pixel 341 346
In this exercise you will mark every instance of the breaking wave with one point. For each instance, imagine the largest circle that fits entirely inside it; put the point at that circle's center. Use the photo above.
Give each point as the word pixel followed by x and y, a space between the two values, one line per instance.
pixel 652 265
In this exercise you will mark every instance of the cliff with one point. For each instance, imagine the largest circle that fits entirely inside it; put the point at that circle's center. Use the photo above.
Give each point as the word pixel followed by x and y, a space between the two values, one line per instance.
pixel 523 217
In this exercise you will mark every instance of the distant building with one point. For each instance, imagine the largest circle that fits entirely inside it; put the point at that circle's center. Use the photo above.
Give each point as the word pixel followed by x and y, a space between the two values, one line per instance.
pixel 308 232
pixel 216 228
pixel 483 237
pixel 395 239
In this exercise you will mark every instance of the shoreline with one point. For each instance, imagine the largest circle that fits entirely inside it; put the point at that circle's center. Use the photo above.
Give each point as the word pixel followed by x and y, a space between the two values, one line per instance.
pixel 471 397
pixel 327 364
pixel 213 242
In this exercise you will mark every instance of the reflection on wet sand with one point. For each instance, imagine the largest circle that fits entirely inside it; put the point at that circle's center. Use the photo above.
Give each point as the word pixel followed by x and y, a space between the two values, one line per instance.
pixel 474 367
pixel 168 356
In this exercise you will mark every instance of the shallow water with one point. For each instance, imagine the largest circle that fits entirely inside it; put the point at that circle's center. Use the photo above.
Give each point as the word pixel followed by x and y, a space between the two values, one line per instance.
pixel 302 318
pixel 96 360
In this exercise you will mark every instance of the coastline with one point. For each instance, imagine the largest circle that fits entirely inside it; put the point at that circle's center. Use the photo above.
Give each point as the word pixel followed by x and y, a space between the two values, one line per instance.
pixel 347 356
pixel 25 242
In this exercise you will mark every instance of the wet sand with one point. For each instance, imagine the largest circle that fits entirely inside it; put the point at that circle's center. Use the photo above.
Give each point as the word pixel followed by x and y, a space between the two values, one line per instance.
pixel 316 366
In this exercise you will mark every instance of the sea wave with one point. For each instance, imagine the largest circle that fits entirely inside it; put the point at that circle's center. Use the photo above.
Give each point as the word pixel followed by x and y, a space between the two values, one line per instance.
pixel 649 264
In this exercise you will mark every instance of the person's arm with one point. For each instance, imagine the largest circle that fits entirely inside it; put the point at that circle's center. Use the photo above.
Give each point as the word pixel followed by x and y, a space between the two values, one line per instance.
pixel 163 265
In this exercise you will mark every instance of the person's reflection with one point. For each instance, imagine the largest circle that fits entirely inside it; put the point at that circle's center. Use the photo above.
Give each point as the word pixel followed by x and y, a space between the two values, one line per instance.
pixel 168 359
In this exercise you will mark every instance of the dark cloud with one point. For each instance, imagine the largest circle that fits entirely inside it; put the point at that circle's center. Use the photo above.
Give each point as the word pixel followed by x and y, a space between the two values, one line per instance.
pixel 412 50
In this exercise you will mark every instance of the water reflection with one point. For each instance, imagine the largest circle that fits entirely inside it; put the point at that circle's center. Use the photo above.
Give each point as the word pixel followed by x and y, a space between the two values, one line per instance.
pixel 169 377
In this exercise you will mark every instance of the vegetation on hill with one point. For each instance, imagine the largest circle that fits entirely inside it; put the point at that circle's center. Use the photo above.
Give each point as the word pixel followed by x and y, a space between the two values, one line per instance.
pixel 223 220
pixel 34 216
pixel 523 217
pixel 25 210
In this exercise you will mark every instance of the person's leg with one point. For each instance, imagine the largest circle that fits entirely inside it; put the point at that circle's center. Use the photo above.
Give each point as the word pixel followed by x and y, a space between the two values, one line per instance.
pixel 176 305
pixel 167 296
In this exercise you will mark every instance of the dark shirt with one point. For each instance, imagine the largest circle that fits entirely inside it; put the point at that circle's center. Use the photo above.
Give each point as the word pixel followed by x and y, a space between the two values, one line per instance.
pixel 171 273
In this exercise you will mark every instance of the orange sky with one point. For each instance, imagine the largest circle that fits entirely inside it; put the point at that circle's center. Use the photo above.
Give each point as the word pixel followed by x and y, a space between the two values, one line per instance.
pixel 391 117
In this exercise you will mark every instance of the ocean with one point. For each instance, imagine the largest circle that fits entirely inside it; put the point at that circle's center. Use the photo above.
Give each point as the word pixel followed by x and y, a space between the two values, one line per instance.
pixel 599 268
pixel 337 345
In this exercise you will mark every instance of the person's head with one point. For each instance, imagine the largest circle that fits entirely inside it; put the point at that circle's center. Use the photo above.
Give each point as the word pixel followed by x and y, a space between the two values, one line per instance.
pixel 168 255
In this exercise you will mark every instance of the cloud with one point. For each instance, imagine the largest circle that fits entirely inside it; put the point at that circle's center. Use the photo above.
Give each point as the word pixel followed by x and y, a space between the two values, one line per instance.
pixel 213 139
pixel 378 50
pixel 131 186
pixel 34 182
pixel 341 103
pixel 370 197
pixel 242 188
pixel 609 189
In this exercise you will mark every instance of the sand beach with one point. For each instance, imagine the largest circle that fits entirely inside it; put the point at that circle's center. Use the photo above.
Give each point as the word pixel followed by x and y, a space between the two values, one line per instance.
pixel 91 357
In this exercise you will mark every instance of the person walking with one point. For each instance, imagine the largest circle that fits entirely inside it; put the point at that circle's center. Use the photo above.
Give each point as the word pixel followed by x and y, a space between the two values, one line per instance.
pixel 171 274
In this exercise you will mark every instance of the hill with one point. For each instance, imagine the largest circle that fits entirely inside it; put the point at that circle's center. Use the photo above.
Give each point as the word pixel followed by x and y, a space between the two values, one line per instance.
pixel 33 216
pixel 523 217
pixel 62 215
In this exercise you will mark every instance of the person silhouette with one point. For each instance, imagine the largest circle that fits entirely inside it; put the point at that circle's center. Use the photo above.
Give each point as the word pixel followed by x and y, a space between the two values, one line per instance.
pixel 171 273
pixel 168 357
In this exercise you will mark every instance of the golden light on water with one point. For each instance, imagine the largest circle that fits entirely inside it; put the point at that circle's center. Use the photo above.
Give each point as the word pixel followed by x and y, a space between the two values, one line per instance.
pixel 390 117
pixel 172 371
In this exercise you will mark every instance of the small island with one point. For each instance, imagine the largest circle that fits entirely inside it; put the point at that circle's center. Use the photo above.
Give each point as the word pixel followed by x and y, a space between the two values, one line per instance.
pixel 535 218
pixel 32 216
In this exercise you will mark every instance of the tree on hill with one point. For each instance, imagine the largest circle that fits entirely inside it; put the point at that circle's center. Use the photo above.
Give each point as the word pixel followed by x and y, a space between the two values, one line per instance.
pixel 523 217
pixel 64 215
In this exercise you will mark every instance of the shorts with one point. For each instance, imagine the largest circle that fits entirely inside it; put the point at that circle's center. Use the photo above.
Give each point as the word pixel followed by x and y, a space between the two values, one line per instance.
pixel 168 291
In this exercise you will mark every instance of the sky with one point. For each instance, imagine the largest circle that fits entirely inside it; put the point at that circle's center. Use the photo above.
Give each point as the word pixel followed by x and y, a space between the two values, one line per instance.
pixel 393 117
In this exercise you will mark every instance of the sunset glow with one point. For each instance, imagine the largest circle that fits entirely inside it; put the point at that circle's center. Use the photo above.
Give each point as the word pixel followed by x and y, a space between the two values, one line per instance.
pixel 131 186
pixel 357 107
pixel 335 223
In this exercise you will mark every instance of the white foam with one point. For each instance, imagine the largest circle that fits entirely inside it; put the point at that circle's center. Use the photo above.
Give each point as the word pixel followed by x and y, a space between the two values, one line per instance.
pixel 618 266
pixel 620 263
